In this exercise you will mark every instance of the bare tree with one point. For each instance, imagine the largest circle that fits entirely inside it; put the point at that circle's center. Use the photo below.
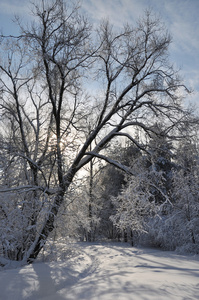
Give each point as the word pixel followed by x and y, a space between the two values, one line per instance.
pixel 44 73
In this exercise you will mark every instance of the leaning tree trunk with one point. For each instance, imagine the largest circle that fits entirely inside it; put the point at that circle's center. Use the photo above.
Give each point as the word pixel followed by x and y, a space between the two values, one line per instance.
pixel 47 228
pixel 41 239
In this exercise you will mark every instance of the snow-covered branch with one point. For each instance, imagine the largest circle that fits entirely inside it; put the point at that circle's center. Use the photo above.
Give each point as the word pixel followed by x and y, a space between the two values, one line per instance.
pixel 110 161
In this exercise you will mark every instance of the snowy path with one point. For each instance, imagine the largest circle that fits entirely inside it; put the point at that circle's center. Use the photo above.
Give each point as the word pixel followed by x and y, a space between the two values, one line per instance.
pixel 106 272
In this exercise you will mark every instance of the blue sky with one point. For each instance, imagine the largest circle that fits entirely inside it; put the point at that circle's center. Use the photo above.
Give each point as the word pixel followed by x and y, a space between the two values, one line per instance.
pixel 180 18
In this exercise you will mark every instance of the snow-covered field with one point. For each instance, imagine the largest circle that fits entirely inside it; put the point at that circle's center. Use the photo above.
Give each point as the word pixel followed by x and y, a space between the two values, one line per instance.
pixel 105 271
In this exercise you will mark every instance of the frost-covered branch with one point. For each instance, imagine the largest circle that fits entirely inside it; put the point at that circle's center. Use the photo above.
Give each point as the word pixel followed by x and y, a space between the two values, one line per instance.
pixel 110 161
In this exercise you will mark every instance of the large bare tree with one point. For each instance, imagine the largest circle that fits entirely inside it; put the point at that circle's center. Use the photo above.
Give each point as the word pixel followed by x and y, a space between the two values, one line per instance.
pixel 57 75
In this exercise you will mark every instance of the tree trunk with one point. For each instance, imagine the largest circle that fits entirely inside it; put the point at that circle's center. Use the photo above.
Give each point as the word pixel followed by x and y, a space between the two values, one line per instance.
pixel 48 227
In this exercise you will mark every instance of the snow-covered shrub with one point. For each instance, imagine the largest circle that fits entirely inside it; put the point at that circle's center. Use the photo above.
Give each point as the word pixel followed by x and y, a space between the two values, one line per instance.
pixel 18 227
pixel 136 204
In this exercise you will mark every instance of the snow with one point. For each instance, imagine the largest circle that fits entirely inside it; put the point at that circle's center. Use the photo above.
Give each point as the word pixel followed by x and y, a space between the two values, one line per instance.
pixel 105 271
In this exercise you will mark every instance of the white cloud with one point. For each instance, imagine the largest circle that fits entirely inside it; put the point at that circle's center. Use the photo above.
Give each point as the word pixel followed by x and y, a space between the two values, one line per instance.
pixel 184 23
pixel 14 7
pixel 118 12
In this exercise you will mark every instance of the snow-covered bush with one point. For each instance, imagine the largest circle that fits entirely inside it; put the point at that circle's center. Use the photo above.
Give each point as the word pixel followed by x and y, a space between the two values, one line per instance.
pixel 136 204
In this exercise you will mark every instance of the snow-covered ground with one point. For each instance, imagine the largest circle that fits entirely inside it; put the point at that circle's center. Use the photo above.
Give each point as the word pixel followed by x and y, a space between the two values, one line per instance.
pixel 105 271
